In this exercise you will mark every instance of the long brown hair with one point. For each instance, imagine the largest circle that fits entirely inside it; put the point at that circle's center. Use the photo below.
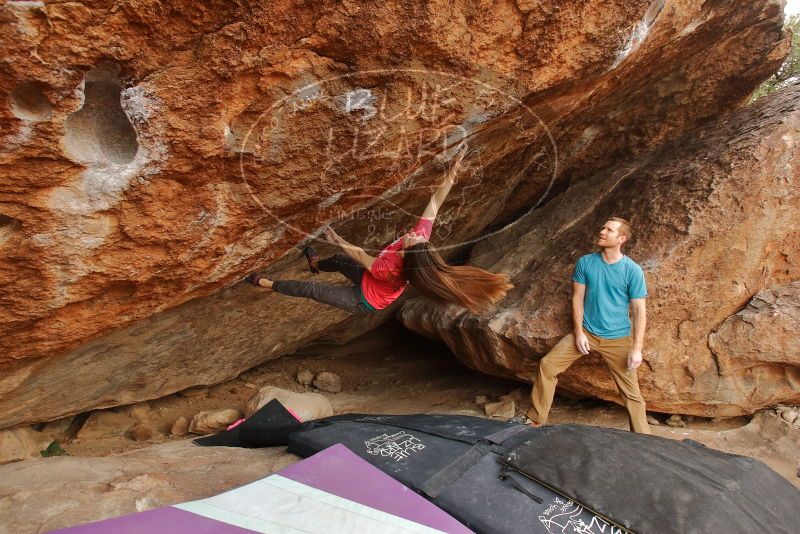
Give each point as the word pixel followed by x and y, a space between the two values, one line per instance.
pixel 463 285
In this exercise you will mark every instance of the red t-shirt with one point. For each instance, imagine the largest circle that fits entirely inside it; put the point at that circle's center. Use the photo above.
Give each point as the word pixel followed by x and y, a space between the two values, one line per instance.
pixel 384 281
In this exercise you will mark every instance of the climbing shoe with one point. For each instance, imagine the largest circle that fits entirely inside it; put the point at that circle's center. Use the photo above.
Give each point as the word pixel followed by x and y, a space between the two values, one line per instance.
pixel 313 259
pixel 253 278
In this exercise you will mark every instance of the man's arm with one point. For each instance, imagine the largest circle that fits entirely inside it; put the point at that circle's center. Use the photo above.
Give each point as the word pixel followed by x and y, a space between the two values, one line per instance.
pixel 639 324
pixel 581 341
pixel 357 253
pixel 439 196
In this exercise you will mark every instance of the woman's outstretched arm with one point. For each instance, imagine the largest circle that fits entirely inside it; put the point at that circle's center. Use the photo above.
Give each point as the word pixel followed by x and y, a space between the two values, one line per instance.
pixel 438 197
pixel 357 253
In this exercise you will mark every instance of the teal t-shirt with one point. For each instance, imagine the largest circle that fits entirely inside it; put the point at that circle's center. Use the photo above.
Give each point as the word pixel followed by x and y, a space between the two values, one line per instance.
pixel 609 290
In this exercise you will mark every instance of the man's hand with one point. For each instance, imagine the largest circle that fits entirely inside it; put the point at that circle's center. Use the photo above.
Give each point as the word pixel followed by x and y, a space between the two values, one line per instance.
pixel 582 343
pixel 634 359
pixel 332 237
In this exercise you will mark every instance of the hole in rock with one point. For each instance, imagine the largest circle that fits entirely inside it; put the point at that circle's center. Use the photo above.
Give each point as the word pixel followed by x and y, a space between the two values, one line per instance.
pixel 8 227
pixel 100 132
pixel 29 102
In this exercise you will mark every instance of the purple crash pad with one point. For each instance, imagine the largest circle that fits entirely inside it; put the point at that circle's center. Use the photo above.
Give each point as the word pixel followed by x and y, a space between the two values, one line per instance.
pixel 340 471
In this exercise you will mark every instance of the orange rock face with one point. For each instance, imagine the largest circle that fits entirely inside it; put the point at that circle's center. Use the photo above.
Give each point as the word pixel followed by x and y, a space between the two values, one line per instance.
pixel 154 153
pixel 759 345
pixel 715 219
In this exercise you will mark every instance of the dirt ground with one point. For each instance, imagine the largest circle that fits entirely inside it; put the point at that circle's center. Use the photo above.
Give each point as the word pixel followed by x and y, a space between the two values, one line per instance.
pixel 390 371
pixel 106 473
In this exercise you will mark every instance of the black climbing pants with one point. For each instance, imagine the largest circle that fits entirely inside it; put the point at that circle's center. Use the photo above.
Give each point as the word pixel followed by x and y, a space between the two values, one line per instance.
pixel 347 298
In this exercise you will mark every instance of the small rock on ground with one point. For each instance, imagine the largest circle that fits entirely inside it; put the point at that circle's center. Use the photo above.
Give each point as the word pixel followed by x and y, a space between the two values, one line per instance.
pixel 504 410
pixel 180 427
pixel 790 416
pixel 213 421
pixel 305 377
pixel 676 421
pixel 140 432
pixel 517 395
pixel 329 382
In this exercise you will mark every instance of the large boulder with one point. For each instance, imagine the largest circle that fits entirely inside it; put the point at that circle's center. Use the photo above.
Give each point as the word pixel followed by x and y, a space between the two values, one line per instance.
pixel 715 216
pixel 761 345
pixel 306 406
pixel 21 443
pixel 155 153
pixel 105 424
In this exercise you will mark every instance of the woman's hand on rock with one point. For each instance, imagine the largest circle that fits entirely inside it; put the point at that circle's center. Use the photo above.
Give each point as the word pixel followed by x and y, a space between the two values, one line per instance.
pixel 332 237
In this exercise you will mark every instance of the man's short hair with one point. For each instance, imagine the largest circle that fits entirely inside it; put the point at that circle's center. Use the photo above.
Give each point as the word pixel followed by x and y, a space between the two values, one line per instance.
pixel 625 227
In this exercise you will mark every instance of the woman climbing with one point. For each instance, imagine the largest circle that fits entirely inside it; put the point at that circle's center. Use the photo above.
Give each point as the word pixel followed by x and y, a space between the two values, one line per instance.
pixel 377 282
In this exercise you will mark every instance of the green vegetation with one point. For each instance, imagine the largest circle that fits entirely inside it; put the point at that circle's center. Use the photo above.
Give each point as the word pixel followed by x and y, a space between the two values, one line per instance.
pixel 54 449
pixel 790 70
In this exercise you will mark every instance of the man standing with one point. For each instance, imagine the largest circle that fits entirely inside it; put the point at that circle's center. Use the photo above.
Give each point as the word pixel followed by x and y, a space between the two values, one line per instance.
pixel 604 285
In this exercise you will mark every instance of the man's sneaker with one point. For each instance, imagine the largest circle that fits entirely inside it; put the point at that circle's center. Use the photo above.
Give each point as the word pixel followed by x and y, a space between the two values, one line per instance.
pixel 534 424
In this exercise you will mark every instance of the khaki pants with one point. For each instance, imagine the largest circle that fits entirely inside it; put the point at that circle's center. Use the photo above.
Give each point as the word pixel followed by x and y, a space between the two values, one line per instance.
pixel 615 354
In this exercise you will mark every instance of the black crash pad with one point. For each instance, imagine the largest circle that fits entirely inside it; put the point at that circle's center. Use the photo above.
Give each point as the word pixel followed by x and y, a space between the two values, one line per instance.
pixel 652 484
pixel 454 462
